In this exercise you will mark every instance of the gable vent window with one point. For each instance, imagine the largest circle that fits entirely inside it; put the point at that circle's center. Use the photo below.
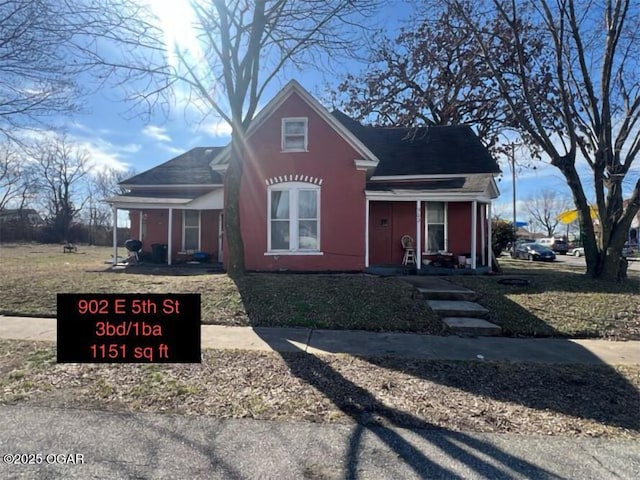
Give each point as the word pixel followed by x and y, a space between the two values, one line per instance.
pixel 294 134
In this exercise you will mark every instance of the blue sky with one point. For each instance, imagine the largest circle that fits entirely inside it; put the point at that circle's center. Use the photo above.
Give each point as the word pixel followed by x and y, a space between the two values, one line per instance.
pixel 117 138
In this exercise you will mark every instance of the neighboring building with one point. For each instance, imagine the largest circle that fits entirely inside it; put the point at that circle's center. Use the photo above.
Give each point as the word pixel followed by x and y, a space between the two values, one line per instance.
pixel 634 229
pixel 321 192
pixel 28 216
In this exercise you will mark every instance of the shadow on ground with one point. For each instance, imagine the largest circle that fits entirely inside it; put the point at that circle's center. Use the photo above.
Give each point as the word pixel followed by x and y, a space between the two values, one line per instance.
pixel 560 389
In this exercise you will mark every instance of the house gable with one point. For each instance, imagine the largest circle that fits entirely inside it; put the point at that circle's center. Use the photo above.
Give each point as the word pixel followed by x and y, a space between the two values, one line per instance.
pixel 293 88
pixel 325 166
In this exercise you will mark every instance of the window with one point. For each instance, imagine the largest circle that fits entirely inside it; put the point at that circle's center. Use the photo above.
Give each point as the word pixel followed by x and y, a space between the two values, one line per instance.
pixel 435 226
pixel 294 134
pixel 294 218
pixel 191 230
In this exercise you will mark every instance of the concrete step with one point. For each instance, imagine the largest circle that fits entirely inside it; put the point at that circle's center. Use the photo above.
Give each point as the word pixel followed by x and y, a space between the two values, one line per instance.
pixel 458 308
pixel 448 294
pixel 471 326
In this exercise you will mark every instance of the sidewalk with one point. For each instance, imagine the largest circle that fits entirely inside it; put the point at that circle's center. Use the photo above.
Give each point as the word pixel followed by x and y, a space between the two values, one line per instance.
pixel 408 345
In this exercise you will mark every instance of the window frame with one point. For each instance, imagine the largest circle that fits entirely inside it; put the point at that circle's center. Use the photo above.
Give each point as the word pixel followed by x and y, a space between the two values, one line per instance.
pixel 184 227
pixel 444 223
pixel 294 218
pixel 283 134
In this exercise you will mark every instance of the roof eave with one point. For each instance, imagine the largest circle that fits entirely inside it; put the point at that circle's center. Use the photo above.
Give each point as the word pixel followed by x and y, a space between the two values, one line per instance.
pixel 291 87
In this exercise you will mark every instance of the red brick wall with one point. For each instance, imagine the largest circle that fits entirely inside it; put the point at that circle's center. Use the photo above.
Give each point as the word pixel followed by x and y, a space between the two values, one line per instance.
pixel 157 225
pixel 459 227
pixel 342 203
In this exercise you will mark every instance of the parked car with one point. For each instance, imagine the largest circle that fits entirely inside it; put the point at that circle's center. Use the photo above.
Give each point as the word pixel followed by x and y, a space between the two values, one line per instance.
pixel 579 251
pixel 576 252
pixel 519 242
pixel 555 244
pixel 534 251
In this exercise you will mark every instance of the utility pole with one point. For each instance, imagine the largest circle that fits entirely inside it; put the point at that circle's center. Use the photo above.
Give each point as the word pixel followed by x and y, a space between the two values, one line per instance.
pixel 513 180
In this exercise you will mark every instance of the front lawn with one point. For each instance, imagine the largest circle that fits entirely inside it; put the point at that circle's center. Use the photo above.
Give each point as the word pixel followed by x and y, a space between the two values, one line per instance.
pixel 32 275
pixel 559 301
pixel 533 399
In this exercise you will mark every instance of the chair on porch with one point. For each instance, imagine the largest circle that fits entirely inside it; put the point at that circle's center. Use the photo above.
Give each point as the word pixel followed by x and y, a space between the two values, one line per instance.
pixel 409 247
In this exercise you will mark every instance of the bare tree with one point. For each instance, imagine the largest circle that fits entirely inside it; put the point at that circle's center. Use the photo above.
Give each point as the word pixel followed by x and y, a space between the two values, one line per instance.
pixel 100 186
pixel 431 74
pixel 242 47
pixel 545 207
pixel 591 110
pixel 61 168
pixel 38 70
pixel 17 179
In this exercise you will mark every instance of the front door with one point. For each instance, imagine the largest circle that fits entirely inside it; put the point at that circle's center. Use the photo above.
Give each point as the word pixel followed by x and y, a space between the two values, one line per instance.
pixel 380 233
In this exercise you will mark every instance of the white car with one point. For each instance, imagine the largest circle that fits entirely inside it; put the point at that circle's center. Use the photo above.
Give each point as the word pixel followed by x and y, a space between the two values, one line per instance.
pixel 579 251
pixel 576 252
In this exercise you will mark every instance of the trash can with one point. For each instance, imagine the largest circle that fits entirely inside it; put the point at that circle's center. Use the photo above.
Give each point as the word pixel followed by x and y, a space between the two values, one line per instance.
pixel 158 253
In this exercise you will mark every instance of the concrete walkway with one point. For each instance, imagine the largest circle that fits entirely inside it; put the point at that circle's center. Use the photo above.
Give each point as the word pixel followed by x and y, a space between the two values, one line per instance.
pixel 361 343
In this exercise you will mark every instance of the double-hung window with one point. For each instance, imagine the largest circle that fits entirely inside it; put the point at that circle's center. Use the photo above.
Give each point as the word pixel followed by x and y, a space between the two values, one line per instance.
pixel 435 226
pixel 294 218
pixel 294 134
pixel 191 230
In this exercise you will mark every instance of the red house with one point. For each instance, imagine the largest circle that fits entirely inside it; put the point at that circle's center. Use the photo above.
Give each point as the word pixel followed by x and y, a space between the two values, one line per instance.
pixel 321 192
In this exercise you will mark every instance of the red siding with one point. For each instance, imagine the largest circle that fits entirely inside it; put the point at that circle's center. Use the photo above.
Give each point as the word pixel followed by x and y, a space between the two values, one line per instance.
pixel 342 203
pixel 459 227
pixel 157 225
pixel 384 241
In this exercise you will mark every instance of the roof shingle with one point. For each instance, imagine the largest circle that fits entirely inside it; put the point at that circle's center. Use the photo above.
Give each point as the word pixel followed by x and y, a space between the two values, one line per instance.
pixel 189 168
pixel 434 150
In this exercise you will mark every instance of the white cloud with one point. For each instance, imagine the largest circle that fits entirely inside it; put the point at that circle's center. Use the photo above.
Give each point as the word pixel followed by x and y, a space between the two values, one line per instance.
pixel 215 128
pixel 157 133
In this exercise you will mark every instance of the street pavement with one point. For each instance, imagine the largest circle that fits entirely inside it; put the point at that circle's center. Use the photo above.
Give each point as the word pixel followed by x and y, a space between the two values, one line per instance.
pixel 142 445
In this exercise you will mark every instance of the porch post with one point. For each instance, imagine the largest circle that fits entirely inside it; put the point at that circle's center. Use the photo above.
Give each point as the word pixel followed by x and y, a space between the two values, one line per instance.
pixel 483 209
pixel 489 249
pixel 140 227
pixel 114 212
pixel 366 234
pixel 418 234
pixel 169 245
pixel 474 234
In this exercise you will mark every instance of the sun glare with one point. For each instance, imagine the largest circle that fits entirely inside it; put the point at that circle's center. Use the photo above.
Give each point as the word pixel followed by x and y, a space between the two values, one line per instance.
pixel 176 20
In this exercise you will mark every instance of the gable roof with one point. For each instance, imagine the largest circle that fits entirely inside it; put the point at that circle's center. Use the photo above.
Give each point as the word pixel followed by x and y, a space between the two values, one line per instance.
pixel 189 168
pixel 434 150
pixel 294 87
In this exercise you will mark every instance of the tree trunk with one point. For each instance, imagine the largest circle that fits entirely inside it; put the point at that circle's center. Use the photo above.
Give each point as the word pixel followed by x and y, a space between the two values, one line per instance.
pixel 235 246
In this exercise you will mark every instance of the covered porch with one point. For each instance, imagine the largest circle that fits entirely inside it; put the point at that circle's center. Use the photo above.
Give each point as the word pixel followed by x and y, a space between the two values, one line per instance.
pixel 174 229
pixel 450 232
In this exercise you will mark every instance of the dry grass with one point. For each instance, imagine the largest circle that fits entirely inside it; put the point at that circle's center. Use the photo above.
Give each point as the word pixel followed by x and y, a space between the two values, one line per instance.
pixel 559 301
pixel 32 275
pixel 462 396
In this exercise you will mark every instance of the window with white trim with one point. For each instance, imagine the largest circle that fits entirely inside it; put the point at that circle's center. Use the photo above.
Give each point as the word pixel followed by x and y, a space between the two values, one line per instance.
pixel 435 226
pixel 294 217
pixel 191 230
pixel 294 134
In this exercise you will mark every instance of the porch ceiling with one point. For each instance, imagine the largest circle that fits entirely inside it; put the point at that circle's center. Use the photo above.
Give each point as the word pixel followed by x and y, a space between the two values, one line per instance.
pixel 213 200
pixel 472 187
